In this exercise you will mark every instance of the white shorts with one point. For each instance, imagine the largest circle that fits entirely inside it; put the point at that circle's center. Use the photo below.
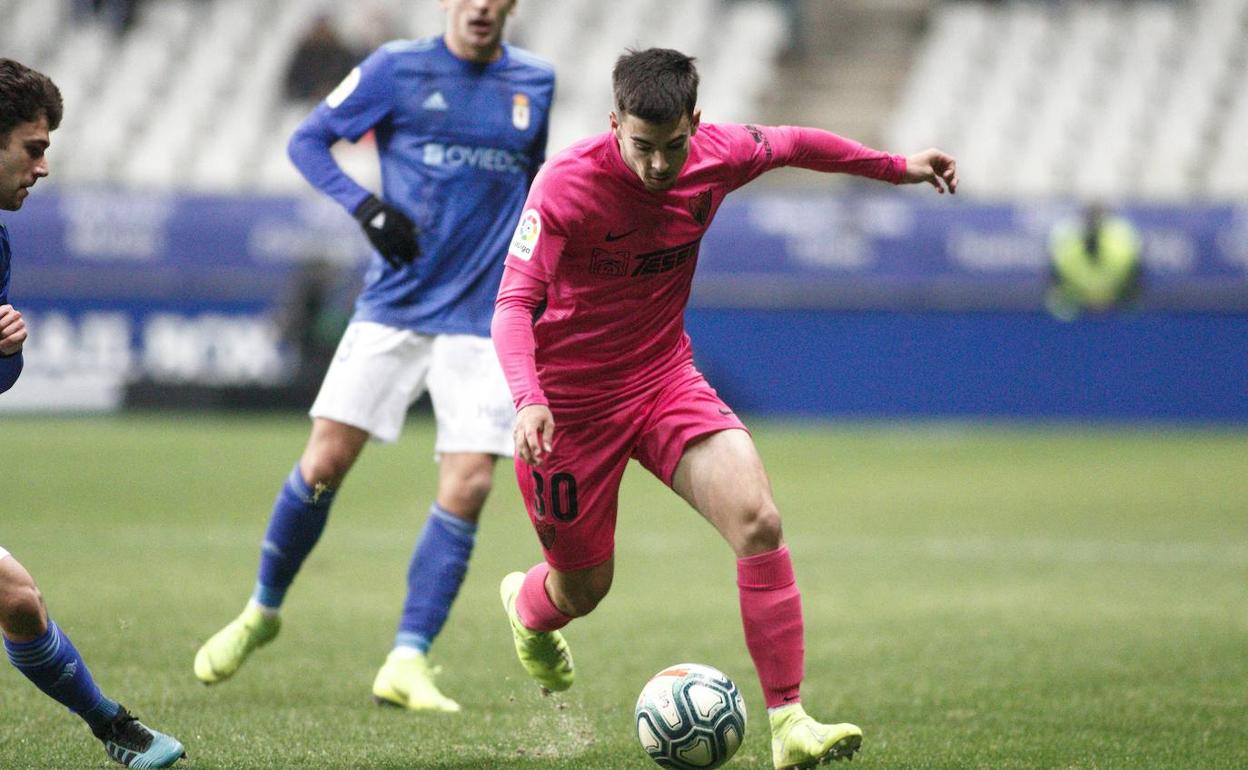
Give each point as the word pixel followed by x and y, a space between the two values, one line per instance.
pixel 3 553
pixel 378 371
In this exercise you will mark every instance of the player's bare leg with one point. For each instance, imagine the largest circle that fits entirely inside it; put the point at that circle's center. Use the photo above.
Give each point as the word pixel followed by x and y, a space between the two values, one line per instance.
pixel 723 478
pixel 298 519
pixel 331 452
pixel 578 592
pixel 44 654
pixel 23 616
pixel 406 679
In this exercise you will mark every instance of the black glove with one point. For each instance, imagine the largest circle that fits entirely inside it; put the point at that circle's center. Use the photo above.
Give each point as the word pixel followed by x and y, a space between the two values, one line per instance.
pixel 389 230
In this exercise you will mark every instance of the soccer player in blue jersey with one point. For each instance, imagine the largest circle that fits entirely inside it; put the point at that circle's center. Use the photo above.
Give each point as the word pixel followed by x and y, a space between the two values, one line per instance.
pixel 30 109
pixel 460 122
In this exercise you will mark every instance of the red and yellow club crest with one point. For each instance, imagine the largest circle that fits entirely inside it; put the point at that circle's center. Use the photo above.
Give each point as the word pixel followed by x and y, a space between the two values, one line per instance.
pixel 520 111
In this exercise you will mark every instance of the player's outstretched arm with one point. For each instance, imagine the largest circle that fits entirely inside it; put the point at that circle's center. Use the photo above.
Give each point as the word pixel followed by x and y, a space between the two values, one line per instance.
pixel 937 168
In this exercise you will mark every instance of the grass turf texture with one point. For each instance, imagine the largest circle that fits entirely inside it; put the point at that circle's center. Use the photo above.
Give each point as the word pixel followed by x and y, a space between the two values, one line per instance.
pixel 975 597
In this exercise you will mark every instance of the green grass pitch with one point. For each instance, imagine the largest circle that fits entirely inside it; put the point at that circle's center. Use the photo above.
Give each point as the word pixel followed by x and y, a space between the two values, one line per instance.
pixel 976 596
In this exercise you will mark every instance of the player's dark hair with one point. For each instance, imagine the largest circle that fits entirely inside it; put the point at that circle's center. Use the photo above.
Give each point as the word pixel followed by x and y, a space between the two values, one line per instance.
pixel 658 85
pixel 24 96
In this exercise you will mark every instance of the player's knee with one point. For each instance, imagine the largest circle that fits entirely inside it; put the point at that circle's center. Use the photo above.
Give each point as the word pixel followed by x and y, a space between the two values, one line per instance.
pixel 331 451
pixel 466 494
pixel 326 466
pixel 21 611
pixel 759 531
pixel 477 487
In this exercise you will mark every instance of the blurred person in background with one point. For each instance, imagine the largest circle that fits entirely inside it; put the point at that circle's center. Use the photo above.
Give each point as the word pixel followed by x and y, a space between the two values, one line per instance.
pixel 461 127
pixel 320 62
pixel 1094 263
pixel 315 312
pixel 794 27
pixel 371 26
pixel 590 330
pixel 119 14
pixel 30 109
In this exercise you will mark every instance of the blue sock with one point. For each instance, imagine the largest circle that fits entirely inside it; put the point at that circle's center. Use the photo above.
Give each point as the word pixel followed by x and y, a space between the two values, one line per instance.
pixel 439 564
pixel 298 519
pixel 52 663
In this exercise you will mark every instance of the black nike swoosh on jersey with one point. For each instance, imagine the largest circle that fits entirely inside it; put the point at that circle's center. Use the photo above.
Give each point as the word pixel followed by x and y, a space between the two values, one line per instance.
pixel 613 237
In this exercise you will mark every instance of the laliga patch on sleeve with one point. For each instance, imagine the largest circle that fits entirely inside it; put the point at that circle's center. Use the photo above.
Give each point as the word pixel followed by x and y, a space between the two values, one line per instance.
pixel 524 242
pixel 344 89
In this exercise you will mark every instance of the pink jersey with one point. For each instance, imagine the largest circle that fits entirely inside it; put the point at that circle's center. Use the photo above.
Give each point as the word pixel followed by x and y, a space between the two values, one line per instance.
pixel 591 307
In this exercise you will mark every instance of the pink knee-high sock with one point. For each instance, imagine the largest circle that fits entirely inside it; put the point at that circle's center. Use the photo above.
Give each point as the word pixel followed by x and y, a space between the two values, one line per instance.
pixel 537 612
pixel 771 612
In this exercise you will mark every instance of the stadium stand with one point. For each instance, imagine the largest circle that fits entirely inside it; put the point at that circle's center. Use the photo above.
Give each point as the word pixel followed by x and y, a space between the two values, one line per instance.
pixel 1144 100
pixel 191 97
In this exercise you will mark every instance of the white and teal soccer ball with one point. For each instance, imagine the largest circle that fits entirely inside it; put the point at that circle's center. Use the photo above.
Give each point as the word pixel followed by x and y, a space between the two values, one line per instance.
pixel 690 717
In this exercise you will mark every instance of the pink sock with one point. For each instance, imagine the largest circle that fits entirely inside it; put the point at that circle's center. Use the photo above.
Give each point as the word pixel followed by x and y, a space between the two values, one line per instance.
pixel 771 612
pixel 537 612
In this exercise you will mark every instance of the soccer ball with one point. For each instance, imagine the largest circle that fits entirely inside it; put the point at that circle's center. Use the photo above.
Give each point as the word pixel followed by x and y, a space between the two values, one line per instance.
pixel 690 717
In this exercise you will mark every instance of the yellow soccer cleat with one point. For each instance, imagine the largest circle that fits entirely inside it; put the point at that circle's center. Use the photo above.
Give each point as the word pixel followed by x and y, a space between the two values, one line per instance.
pixel 406 680
pixel 226 650
pixel 798 742
pixel 544 654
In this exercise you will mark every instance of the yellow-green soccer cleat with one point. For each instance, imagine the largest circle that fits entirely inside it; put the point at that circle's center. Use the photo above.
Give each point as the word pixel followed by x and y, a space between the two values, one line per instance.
pixel 226 650
pixel 544 654
pixel 798 742
pixel 406 680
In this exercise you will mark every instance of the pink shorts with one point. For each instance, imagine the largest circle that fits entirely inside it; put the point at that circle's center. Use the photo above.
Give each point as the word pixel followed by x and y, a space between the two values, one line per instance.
pixel 572 499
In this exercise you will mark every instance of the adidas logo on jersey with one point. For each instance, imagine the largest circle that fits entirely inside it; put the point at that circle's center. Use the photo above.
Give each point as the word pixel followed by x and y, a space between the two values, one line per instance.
pixel 436 101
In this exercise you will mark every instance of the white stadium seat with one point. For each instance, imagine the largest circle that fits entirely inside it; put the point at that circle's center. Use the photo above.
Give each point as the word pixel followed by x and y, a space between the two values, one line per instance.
pixel 1067 96
pixel 1091 99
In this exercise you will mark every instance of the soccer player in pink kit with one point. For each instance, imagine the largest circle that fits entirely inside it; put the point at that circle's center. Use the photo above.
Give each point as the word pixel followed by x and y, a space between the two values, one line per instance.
pixel 589 326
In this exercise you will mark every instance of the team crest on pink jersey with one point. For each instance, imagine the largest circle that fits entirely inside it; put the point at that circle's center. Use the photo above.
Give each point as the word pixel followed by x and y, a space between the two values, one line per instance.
pixel 609 263
pixel 700 206
pixel 546 534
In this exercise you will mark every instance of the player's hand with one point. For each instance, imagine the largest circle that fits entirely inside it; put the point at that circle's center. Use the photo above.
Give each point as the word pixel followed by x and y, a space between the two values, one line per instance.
pixel 938 169
pixel 12 330
pixel 389 230
pixel 535 428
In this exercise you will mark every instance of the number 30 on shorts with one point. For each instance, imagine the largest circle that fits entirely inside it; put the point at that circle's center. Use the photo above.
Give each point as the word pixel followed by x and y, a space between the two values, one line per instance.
pixel 562 503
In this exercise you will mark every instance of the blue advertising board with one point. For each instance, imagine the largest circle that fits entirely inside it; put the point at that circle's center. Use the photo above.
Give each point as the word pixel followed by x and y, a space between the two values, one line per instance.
pixel 122 286
pixel 118 287
pixel 899 251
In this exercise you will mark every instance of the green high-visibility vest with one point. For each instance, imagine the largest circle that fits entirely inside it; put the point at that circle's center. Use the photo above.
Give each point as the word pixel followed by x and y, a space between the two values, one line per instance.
pixel 1099 281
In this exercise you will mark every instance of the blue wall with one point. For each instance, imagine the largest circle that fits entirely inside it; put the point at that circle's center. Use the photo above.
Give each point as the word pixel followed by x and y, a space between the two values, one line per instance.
pixel 873 302
pixel 1171 366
